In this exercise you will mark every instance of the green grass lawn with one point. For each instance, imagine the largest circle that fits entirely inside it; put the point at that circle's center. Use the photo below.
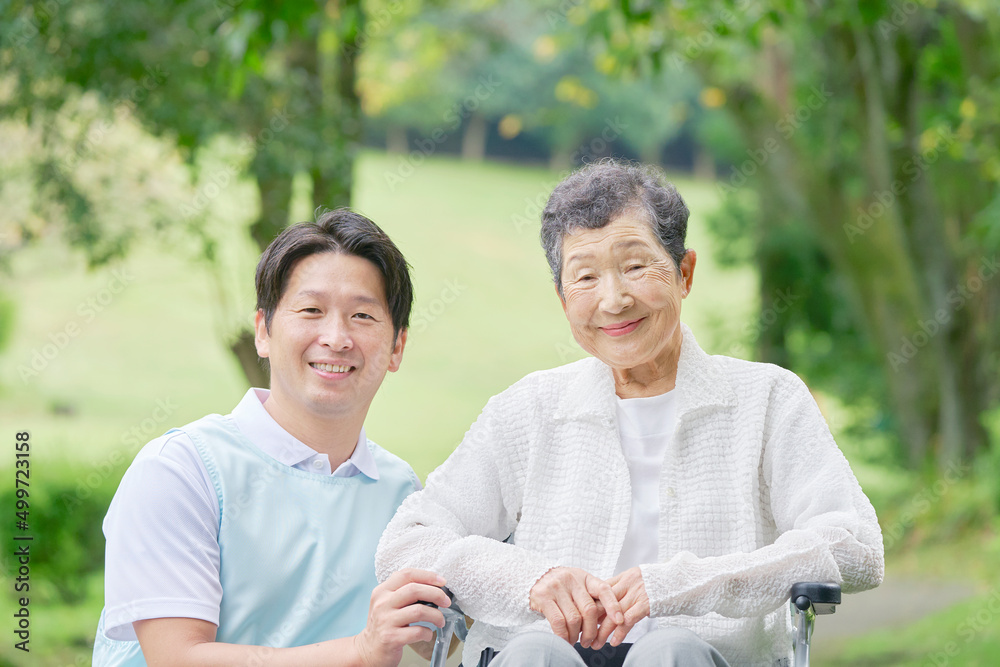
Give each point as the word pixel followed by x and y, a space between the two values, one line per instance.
pixel 966 634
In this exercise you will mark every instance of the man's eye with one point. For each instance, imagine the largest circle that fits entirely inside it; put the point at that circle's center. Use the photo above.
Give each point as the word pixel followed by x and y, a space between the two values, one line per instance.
pixel 364 316
pixel 310 310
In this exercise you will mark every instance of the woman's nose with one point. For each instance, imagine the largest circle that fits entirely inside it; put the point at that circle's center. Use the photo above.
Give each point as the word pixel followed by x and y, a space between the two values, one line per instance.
pixel 615 295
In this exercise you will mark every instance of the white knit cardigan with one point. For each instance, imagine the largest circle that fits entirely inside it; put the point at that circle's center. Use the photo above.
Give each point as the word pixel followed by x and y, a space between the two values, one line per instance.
pixel 754 496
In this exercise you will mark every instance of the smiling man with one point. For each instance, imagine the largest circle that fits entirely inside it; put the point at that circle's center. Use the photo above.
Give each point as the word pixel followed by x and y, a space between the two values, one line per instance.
pixel 249 538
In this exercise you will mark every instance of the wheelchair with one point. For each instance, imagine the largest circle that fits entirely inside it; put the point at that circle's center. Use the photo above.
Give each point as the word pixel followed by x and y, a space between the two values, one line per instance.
pixel 807 601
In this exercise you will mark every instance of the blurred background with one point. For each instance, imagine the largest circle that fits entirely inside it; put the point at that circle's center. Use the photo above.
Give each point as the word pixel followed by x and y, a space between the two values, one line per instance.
pixel 841 162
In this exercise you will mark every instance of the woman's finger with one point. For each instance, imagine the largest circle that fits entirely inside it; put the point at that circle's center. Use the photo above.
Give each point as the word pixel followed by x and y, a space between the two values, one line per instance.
pixel 600 590
pixel 589 613
pixel 553 614
pixel 572 615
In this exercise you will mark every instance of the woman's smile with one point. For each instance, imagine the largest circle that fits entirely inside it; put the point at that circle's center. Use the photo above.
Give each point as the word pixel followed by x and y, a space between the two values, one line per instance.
pixel 622 328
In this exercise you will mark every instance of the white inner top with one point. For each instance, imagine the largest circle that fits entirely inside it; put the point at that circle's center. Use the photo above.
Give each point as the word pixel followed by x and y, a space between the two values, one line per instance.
pixel 646 427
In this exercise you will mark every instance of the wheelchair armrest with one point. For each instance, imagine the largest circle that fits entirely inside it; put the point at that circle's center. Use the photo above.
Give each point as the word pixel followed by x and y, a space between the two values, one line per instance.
pixel 822 597
pixel 454 624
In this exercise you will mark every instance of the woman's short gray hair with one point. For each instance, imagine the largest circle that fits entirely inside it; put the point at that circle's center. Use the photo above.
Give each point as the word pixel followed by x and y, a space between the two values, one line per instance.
pixel 594 196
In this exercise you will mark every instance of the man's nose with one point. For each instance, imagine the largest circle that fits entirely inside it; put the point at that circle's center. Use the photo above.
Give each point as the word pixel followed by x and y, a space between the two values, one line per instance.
pixel 336 334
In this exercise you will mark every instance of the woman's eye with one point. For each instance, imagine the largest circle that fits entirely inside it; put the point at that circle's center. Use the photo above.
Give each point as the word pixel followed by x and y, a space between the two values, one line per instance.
pixel 634 267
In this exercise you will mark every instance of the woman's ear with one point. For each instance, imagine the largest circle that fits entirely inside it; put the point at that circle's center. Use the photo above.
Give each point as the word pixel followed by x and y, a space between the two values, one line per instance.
pixel 687 270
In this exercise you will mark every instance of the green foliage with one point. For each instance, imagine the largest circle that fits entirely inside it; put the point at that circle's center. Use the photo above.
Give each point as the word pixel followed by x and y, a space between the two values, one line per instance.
pixel 67 507
pixel 549 81
pixel 8 311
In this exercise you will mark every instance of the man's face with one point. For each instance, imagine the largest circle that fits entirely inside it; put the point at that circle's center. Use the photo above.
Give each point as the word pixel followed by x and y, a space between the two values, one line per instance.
pixel 331 339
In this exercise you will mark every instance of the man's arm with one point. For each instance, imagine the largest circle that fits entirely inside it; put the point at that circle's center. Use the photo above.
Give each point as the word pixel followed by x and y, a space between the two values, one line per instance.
pixel 190 642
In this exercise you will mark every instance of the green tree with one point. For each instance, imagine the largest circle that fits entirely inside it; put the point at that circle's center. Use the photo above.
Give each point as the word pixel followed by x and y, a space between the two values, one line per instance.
pixel 279 78
pixel 870 150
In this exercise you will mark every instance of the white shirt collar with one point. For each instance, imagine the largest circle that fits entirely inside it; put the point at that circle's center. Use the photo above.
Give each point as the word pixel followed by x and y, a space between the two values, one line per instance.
pixel 256 423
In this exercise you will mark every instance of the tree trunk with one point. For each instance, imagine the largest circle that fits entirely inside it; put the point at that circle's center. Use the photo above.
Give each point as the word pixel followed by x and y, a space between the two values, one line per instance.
pixel 560 159
pixel 892 240
pixel 332 165
pixel 474 138
pixel 651 153
pixel 396 141
pixel 245 350
pixel 704 164
pixel 275 191
pixel 275 200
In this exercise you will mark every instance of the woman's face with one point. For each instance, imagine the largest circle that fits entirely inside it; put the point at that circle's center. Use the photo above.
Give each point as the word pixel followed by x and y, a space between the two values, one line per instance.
pixel 622 293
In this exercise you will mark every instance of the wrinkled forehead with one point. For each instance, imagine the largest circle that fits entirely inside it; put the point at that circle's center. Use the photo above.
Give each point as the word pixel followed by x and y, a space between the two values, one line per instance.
pixel 629 231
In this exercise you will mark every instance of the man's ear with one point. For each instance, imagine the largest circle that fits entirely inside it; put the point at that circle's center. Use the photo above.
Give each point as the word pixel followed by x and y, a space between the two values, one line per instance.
pixel 397 351
pixel 261 339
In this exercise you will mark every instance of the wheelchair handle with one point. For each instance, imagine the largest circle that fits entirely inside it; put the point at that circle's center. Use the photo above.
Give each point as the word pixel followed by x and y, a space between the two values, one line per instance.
pixel 454 624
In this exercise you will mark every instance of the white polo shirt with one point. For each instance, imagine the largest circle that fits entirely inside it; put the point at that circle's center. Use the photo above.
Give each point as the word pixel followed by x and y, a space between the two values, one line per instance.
pixel 169 566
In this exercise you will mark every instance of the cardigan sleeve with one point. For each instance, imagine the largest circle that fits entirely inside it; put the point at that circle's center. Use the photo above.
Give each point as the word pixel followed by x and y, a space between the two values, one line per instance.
pixel 457 527
pixel 827 528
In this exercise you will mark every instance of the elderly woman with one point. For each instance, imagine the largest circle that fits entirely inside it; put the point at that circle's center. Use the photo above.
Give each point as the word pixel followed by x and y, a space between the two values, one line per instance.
pixel 652 501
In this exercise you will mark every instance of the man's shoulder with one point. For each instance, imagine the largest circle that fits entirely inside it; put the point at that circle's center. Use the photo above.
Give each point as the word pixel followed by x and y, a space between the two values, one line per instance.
pixel 174 445
pixel 391 468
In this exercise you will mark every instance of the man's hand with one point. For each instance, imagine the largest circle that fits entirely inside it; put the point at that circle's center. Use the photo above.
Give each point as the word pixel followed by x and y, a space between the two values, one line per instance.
pixel 190 642
pixel 393 607
pixel 574 601
pixel 630 591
